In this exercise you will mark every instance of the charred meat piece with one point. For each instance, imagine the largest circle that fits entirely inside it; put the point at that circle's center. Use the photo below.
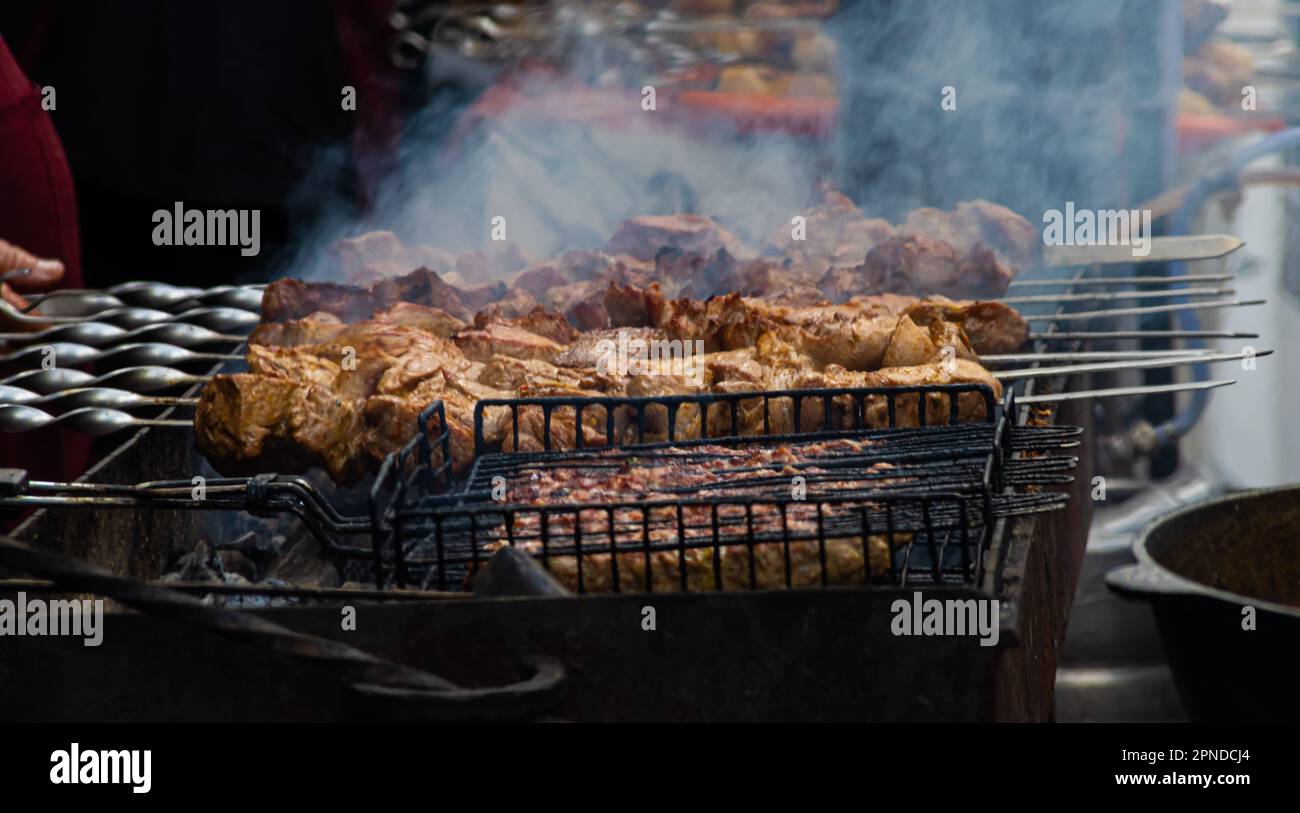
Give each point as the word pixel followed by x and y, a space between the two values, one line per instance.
pixel 911 265
pixel 582 303
pixel 920 266
pixel 247 423
pixel 538 320
pixel 836 232
pixel 643 237
pixel 311 329
pixel 580 266
pixel 288 299
pixel 426 318
pixel 515 303
pixel 977 223
pixel 378 255
pixel 500 339
pixel 992 327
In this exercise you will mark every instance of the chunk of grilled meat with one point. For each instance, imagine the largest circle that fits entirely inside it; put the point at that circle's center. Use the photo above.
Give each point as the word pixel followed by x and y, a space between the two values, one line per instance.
pixel 920 266
pixel 644 237
pixel 246 424
pixel 316 404
pixel 991 326
pixel 288 299
pixel 978 223
pixel 427 318
pixel 315 327
pixel 853 334
pixel 321 326
pixel 538 320
pixel 836 233
pixel 501 339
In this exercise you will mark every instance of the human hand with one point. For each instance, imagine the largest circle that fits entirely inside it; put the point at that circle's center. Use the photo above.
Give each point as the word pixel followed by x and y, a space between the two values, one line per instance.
pixel 22 271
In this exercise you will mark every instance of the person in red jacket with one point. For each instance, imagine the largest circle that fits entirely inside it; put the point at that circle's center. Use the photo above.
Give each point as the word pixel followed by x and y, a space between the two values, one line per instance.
pixel 39 247
pixel 232 105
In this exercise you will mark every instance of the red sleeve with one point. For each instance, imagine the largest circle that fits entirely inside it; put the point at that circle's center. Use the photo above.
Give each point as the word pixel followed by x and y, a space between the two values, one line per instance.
pixel 38 211
pixel 38 207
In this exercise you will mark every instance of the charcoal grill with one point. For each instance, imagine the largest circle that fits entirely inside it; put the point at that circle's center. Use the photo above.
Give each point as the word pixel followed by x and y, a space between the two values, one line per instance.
pixel 746 654
pixel 597 637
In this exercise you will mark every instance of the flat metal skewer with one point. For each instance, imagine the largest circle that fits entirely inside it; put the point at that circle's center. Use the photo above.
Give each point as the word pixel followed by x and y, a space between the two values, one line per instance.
pixel 98 334
pixel 1160 250
pixel 91 420
pixel 1109 296
pixel 136 379
pixel 66 353
pixel 223 319
pixel 1075 282
pixel 1141 364
pixel 153 295
pixel 1145 389
pixel 1087 355
pixel 89 397
pixel 1085 315
pixel 1108 335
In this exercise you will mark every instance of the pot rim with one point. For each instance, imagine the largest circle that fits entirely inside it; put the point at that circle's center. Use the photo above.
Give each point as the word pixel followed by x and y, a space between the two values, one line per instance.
pixel 1196 588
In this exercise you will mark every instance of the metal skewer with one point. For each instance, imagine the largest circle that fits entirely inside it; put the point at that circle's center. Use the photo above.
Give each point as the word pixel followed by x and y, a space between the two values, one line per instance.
pixel 1146 389
pixel 224 319
pixel 67 353
pixel 136 379
pixel 1141 364
pixel 1107 335
pixel 89 397
pixel 91 421
pixel 1102 355
pixel 1185 278
pixel 154 295
pixel 1084 315
pixel 1160 250
pixel 98 334
pixel 1113 295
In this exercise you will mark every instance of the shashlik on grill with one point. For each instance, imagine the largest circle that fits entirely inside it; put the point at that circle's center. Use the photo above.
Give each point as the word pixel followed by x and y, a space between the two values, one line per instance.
pixel 834 252
pixel 338 373
pixel 351 394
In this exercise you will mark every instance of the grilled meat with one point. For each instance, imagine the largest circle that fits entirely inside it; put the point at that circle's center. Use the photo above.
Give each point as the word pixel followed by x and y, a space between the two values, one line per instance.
pixel 347 401
pixel 289 299
pixel 836 233
pixel 853 334
pixel 426 318
pixel 643 237
pixel 339 373
pixel 315 327
pixel 538 320
pixel 666 475
pixel 500 339
pixel 978 223
pixel 380 254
